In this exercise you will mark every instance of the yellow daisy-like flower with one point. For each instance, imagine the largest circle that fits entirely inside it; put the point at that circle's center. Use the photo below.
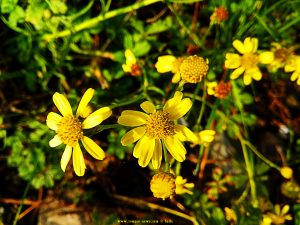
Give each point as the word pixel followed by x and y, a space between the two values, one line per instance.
pixel 169 63
pixel 69 130
pixel 266 220
pixel 293 65
pixel 280 215
pixel 182 186
pixel 156 127
pixel 281 56
pixel 247 63
pixel 230 215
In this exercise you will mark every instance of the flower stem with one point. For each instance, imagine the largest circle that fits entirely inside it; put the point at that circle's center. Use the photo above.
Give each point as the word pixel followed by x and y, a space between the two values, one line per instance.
pixel 96 20
pixel 21 205
pixel 249 168
pixel 202 107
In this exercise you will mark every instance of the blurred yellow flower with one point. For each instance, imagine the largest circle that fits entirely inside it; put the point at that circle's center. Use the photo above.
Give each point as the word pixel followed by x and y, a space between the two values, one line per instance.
pixel 230 215
pixel 131 65
pixel 286 172
pixel 266 220
pixel 169 63
pixel 205 137
pixel 211 86
pixel 162 185
pixel 281 56
pixel 247 63
pixel 69 130
pixel 156 127
pixel 280 215
pixel 182 186
pixel 293 65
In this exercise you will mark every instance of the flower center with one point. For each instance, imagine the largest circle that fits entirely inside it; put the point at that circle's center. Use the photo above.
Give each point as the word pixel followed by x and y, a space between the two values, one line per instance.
pixel 159 125
pixel 163 185
pixel 249 60
pixel 281 54
pixel 193 68
pixel 69 130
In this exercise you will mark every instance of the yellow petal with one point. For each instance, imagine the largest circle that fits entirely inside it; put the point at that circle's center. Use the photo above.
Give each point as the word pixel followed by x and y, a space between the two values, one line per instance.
pixel 148 107
pixel 148 149
pixel 173 101
pixel 96 117
pixel 247 79
pixel 175 147
pixel 266 57
pixel 55 141
pixel 62 104
pixel 237 72
pixel 254 45
pixel 126 68
pixel 248 45
pixel 66 157
pixel 179 110
pixel 78 161
pixel 86 98
pixel 207 136
pixel 132 118
pixel 92 148
pixel 176 78
pixel 232 61
pixel 133 135
pixel 157 155
pixel 52 120
pixel 189 135
pixel 256 75
pixel 295 75
pixel 130 58
pixel 165 63
pixel 239 46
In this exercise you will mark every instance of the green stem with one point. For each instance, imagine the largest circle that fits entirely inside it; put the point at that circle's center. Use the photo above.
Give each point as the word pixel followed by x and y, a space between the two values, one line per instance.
pixel 267 161
pixel 167 164
pixel 249 168
pixel 197 125
pixel 21 205
pixel 96 20
pixel 194 37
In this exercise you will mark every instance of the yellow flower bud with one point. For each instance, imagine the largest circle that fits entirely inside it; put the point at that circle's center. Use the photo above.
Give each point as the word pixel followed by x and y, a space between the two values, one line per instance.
pixel 193 69
pixel 163 185
pixel 286 172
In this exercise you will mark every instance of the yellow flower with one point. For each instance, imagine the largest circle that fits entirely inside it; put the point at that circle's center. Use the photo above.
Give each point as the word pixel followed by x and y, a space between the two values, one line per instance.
pixel 280 215
pixel 193 69
pixel 163 185
pixel 182 186
pixel 69 129
pixel 281 56
pixel 247 63
pixel 211 87
pixel 266 220
pixel 156 127
pixel 293 65
pixel 169 63
pixel 230 215
pixel 205 137
pixel 286 172
pixel 131 65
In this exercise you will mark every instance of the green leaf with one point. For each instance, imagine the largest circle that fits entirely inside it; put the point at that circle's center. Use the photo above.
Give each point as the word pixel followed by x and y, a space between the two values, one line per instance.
pixel 246 98
pixel 159 26
pixel 8 6
pixel 218 216
pixel 57 6
pixel 34 13
pixel 141 48
pixel 16 16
